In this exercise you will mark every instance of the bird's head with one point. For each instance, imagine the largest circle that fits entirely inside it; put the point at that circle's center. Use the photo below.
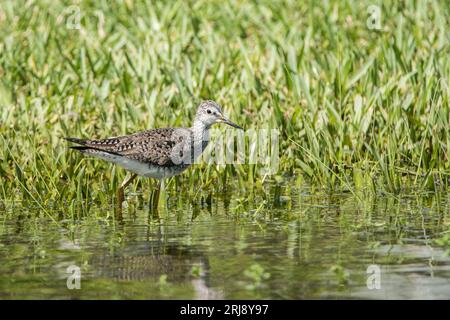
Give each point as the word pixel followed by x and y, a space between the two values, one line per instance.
pixel 210 112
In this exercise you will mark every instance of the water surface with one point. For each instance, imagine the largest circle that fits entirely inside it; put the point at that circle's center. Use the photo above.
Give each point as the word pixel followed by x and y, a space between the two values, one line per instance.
pixel 236 245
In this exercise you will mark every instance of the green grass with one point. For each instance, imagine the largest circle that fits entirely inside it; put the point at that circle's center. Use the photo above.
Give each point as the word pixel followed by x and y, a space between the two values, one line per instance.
pixel 357 109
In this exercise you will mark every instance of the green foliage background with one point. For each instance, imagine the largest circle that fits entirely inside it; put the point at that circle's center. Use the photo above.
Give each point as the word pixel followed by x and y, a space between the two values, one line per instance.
pixel 357 108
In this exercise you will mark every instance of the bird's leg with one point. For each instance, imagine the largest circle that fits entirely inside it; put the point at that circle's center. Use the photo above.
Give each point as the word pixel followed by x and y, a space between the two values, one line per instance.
pixel 152 200
pixel 162 194
pixel 120 191
pixel 155 195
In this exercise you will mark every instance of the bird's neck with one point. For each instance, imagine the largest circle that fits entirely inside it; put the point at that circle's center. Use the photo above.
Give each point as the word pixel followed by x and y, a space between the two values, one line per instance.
pixel 200 131
pixel 200 137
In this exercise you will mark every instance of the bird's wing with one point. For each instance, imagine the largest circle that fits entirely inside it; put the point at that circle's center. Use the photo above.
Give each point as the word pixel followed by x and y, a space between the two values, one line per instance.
pixel 153 146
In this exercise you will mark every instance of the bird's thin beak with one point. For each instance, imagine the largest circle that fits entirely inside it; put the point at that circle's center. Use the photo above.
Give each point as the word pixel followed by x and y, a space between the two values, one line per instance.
pixel 228 122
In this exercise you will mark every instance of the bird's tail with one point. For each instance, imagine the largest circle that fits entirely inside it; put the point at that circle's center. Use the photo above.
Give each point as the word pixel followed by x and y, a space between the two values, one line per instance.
pixel 82 148
pixel 86 148
pixel 76 140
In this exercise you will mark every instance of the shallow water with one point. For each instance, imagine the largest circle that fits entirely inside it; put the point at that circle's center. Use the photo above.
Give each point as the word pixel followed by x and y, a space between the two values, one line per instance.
pixel 304 245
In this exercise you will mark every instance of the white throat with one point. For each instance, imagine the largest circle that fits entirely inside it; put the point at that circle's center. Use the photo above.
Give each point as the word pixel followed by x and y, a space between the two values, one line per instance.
pixel 200 131
pixel 200 137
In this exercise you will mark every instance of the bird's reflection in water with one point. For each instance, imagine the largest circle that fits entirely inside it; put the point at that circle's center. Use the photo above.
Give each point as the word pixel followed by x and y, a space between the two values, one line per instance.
pixel 150 262
pixel 149 259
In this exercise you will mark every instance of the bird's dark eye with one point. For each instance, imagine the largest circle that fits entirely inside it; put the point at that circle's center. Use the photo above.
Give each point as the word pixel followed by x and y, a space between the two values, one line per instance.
pixel 209 111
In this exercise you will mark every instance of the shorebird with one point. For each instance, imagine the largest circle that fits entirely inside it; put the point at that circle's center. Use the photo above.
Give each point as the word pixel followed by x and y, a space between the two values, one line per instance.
pixel 157 153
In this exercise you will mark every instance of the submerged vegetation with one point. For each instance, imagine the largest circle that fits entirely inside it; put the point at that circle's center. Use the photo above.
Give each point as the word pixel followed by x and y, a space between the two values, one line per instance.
pixel 357 108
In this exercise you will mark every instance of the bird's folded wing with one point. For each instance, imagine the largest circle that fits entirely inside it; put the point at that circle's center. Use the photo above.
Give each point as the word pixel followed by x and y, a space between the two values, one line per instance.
pixel 152 146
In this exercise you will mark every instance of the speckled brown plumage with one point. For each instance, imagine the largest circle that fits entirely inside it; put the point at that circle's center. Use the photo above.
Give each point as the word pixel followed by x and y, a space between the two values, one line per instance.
pixel 150 146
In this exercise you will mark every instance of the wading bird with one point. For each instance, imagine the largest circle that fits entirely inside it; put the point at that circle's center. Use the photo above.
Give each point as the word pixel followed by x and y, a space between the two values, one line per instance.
pixel 157 153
